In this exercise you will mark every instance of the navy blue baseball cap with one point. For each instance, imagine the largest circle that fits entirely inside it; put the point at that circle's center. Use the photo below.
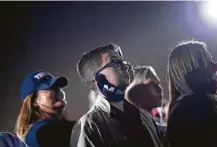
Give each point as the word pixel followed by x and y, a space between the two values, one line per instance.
pixel 41 80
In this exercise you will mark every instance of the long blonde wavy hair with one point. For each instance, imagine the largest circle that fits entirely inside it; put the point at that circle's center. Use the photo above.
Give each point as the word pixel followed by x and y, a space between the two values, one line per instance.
pixel 27 116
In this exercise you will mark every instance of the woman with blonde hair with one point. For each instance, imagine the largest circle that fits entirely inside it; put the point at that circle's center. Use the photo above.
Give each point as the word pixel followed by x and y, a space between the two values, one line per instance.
pixel 42 121
pixel 192 90
pixel 145 91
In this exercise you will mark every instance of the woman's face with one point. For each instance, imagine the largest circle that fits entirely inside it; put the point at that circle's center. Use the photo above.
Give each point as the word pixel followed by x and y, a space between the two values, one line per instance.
pixel 146 95
pixel 51 101
pixel 153 90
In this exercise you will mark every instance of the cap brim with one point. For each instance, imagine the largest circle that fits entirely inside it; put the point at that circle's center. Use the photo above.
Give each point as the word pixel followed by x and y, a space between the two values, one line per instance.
pixel 60 82
pixel 57 82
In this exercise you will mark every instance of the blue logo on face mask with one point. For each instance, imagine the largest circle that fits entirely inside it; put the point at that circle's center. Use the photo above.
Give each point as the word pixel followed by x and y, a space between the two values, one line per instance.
pixel 110 92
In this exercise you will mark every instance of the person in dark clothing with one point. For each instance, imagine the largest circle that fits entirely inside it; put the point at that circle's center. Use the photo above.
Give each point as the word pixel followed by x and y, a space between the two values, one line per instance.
pixel 112 121
pixel 8 139
pixel 56 134
pixel 145 92
pixel 192 118
pixel 42 121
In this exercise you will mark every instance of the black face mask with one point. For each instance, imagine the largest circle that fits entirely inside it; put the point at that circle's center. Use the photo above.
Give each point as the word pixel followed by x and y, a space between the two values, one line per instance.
pixel 111 92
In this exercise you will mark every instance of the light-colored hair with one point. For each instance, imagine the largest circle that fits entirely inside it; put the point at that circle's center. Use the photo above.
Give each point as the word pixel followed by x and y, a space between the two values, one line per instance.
pixel 185 58
pixel 143 72
pixel 27 116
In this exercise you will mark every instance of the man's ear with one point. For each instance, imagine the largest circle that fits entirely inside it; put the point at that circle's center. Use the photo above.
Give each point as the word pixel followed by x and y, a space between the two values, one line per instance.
pixel 105 58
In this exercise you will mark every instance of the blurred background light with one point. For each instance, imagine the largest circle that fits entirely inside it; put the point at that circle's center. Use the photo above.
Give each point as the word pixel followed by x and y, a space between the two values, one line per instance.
pixel 208 10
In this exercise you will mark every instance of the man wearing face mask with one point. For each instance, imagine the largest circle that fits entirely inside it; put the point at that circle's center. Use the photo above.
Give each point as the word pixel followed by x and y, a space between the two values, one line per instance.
pixel 42 121
pixel 112 121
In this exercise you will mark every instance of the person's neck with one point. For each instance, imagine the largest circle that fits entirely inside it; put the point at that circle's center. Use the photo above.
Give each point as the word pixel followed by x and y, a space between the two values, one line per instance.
pixel 44 115
pixel 148 109
pixel 118 105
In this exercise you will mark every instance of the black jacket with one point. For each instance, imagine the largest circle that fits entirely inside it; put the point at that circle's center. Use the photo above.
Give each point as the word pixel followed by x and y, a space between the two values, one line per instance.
pixel 56 134
pixel 193 121
pixel 106 126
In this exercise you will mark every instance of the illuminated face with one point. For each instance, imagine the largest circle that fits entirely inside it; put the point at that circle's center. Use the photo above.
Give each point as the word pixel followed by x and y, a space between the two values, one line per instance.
pixel 154 91
pixel 115 70
pixel 51 101
pixel 146 95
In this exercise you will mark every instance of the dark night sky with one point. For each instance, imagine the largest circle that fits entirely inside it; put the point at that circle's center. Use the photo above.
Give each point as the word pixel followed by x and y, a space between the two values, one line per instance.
pixel 53 36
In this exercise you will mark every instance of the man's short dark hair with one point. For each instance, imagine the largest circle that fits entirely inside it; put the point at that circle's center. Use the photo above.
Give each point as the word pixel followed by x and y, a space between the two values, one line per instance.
pixel 91 62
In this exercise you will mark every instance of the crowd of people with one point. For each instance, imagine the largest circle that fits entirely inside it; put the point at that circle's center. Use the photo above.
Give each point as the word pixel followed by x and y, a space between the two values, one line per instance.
pixel 126 103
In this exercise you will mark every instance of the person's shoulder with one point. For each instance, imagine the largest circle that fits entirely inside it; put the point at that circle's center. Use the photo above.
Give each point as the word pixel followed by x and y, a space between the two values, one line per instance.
pixel 6 134
pixel 85 123
pixel 31 134
pixel 91 121
pixel 193 96
pixel 41 123
pixel 37 126
pixel 146 116
pixel 189 106
pixel 193 99
pixel 56 125
pixel 8 139
pixel 91 117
